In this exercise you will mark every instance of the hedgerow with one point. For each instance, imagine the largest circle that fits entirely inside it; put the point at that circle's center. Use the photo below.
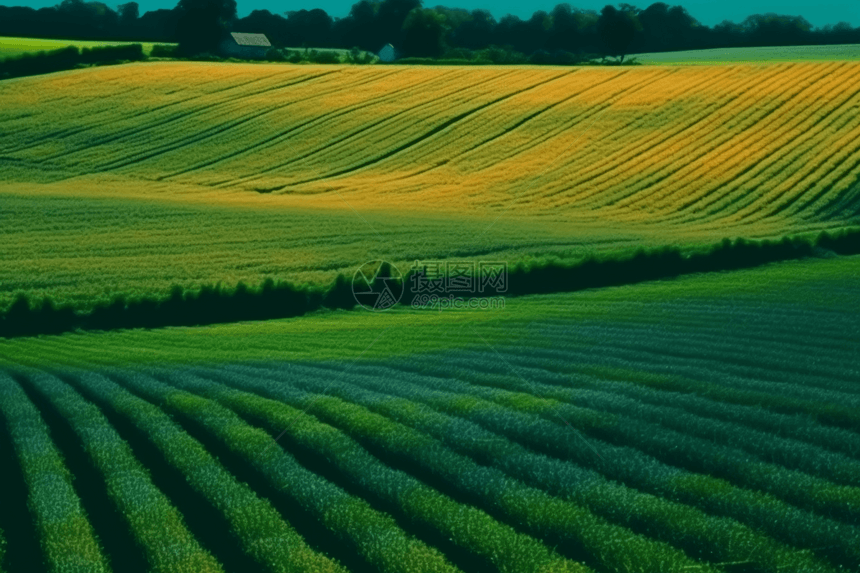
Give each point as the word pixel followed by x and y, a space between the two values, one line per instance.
pixel 67 59
pixel 214 304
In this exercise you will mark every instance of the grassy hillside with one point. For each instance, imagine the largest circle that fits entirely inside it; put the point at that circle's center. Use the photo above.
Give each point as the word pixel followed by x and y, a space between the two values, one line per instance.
pixel 629 429
pixel 134 178
pixel 10 46
pixel 762 55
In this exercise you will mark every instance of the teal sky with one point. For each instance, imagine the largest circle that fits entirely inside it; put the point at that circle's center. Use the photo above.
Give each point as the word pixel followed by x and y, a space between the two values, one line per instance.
pixel 708 12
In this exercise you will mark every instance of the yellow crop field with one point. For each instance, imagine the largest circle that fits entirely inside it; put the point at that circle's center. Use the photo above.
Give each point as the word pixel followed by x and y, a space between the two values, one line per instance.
pixel 249 171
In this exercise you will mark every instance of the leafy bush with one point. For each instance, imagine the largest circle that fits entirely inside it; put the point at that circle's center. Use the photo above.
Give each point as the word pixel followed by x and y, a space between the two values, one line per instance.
pixel 275 55
pixel 163 51
pixel 40 63
pixel 359 57
pixel 130 52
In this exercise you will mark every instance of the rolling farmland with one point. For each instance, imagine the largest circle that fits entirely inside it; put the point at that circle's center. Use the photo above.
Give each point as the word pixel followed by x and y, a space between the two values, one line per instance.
pixel 758 55
pixel 226 173
pixel 707 422
pixel 466 442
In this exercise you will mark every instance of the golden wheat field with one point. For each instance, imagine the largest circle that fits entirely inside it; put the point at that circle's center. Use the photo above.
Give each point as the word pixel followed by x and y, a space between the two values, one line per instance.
pixel 136 177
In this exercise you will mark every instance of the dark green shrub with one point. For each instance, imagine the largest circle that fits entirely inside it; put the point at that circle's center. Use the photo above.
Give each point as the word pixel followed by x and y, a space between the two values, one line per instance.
pixel 163 51
pixel 40 62
pixel 275 55
pixel 323 57
pixel 131 52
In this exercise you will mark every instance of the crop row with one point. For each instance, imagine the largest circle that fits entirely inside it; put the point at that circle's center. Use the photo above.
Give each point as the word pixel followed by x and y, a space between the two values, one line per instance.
pixel 375 535
pixel 676 448
pixel 598 166
pixel 550 369
pixel 765 446
pixel 258 526
pixel 622 463
pixel 734 154
pixel 156 526
pixel 693 145
pixel 609 546
pixel 468 527
pixel 67 539
pixel 712 538
pixel 684 372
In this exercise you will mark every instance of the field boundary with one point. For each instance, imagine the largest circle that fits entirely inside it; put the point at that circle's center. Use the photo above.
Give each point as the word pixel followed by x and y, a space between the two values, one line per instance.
pixel 270 300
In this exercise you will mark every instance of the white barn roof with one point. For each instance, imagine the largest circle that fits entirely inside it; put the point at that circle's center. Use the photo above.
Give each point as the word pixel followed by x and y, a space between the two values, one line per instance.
pixel 251 39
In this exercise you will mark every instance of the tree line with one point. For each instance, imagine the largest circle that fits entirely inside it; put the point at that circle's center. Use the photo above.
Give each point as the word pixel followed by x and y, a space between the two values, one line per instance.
pixel 419 31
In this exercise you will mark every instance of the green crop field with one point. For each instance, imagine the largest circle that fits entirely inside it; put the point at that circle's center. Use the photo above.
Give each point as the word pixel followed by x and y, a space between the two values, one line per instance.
pixel 759 55
pixel 530 439
pixel 664 381
pixel 16 46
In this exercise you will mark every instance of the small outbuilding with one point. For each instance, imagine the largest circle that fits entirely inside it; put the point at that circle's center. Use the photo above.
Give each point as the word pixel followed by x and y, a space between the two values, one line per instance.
pixel 245 46
pixel 387 53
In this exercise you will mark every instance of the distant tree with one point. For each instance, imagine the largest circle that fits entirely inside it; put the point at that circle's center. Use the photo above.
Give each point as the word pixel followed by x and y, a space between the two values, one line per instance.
pixel 203 24
pixel 390 18
pixel 274 26
pixel 777 30
pixel 617 29
pixel 129 14
pixel 309 28
pixel 423 34
pixel 158 25
pixel 475 32
pixel 359 28
pixel 669 28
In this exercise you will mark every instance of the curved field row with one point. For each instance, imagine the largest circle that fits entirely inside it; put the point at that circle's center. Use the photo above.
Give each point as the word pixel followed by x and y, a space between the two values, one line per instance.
pixel 664 144
pixel 704 423
pixel 227 173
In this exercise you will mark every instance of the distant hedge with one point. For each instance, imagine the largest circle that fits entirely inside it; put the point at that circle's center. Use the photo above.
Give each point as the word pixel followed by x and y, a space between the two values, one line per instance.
pixel 67 59
pixel 218 304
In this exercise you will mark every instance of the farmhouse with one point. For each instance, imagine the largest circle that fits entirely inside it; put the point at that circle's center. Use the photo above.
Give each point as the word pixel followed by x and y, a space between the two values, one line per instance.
pixel 387 53
pixel 245 46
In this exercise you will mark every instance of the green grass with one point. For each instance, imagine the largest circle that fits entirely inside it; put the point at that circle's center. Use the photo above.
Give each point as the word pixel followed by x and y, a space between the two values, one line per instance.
pixel 10 46
pixel 762 55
